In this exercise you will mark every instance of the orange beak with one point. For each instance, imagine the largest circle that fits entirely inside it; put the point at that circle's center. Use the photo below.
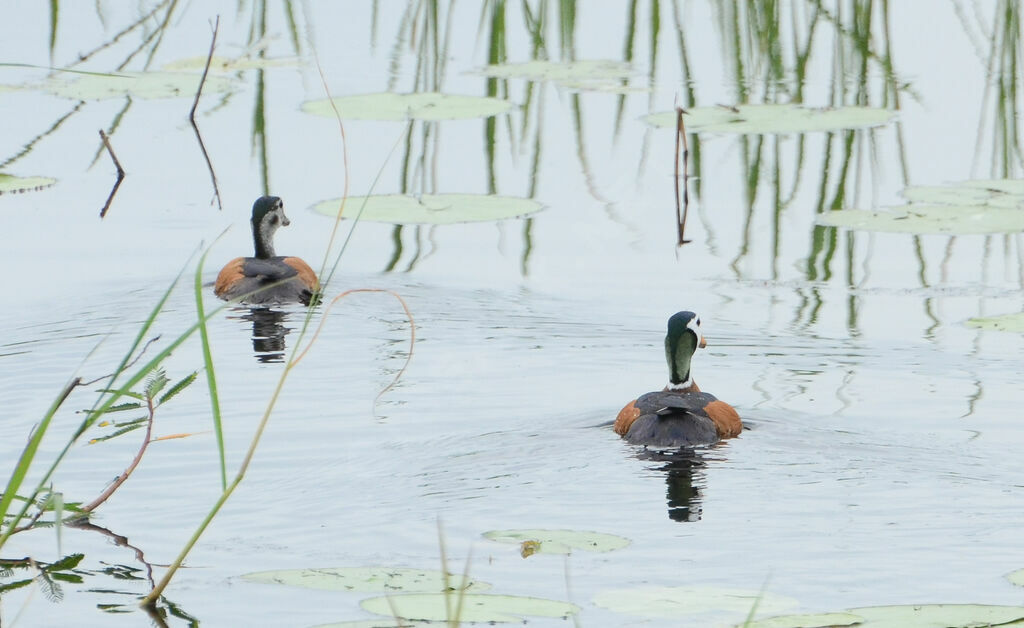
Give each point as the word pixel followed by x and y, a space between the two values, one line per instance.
pixel 703 342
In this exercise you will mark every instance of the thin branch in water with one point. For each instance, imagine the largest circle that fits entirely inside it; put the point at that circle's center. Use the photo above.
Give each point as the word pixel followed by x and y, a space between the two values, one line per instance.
pixel 119 480
pixel 681 213
pixel 120 173
pixel 127 365
pixel 192 114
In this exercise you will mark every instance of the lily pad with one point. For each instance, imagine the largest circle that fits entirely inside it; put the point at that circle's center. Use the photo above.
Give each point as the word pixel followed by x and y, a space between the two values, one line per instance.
pixel 10 183
pixel 677 602
pixel 1006 322
pixel 227 64
pixel 925 219
pixel 433 209
pixel 136 84
pixel 1009 186
pixel 781 119
pixel 558 541
pixel 819 620
pixel 471 607
pixel 938 615
pixel 419 106
pixel 372 579
pixel 576 72
pixel 383 622
pixel 966 193
pixel 1017 577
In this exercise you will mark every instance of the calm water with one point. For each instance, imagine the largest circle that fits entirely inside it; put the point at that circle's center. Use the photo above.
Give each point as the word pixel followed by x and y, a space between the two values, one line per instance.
pixel 881 464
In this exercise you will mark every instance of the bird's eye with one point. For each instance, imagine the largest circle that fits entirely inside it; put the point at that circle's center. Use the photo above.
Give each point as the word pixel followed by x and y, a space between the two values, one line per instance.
pixel 698 321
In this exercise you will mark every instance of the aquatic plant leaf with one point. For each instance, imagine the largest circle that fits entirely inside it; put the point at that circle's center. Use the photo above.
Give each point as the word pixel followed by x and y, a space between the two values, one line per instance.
pixel 928 219
pixel 135 84
pixel 780 119
pixel 558 541
pixel 1009 186
pixel 372 579
pixel 675 602
pixel 227 64
pixel 577 72
pixel 181 385
pixel 418 106
pixel 1017 577
pixel 436 209
pixel 382 622
pixel 938 615
pixel 471 607
pixel 12 184
pixel 1005 322
pixel 991 193
pixel 819 620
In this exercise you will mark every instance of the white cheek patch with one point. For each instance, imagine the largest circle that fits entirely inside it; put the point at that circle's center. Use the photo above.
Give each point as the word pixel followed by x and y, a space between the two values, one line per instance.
pixel 694 326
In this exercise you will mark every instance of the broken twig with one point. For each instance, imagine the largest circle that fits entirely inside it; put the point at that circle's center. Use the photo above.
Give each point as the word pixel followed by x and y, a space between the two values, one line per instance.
pixel 120 173
pixel 681 213
pixel 192 114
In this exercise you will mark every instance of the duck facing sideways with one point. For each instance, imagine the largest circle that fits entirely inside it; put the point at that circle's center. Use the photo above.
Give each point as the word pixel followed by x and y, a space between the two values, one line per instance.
pixel 267 278
pixel 680 415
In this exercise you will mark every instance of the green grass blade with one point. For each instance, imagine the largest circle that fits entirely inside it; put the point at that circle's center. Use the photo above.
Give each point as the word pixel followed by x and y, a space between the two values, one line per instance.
pixel 211 375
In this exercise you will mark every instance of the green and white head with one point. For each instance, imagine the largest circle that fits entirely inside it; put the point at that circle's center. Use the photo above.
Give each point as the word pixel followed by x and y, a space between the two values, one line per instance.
pixel 683 338
pixel 267 216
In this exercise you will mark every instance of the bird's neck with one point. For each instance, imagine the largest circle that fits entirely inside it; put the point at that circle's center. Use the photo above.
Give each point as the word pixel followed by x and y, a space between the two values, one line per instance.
pixel 264 244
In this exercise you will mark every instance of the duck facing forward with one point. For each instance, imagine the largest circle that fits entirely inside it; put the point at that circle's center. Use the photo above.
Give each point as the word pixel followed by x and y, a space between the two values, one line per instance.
pixel 266 277
pixel 680 415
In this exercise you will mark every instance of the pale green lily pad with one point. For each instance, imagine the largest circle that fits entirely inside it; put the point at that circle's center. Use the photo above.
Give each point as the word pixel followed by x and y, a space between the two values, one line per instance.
pixel 474 607
pixel 383 622
pixel 227 64
pixel 10 183
pixel 819 620
pixel 677 602
pixel 558 541
pixel 576 72
pixel 419 106
pixel 372 579
pixel 1006 322
pixel 967 193
pixel 1009 186
pixel 430 209
pixel 1017 577
pixel 136 84
pixel 938 615
pixel 760 119
pixel 928 219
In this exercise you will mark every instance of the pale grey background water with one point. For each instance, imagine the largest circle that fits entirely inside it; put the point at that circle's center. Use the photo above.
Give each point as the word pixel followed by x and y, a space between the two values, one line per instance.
pixel 882 461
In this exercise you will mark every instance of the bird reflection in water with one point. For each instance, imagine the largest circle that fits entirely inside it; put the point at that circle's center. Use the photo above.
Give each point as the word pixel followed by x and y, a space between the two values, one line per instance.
pixel 268 332
pixel 684 475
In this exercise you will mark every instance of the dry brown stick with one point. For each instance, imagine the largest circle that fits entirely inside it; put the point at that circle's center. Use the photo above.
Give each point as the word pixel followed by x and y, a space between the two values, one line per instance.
pixel 192 114
pixel 131 467
pixel 681 214
pixel 120 173
pixel 127 365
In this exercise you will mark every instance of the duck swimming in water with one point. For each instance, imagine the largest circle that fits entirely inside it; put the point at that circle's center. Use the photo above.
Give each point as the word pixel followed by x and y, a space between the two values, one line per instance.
pixel 267 278
pixel 680 415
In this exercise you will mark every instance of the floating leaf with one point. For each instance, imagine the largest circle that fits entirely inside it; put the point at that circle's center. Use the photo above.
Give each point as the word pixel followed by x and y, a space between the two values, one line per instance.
pixel 938 615
pixel 990 193
pixel 226 64
pixel 925 219
pixel 469 607
pixel 383 622
pixel 559 541
pixel 1006 322
pixel 10 183
pixel 773 119
pixel 676 602
pixel 1016 577
pixel 136 84
pixel 820 620
pixel 437 209
pixel 374 579
pixel 575 72
pixel 419 106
